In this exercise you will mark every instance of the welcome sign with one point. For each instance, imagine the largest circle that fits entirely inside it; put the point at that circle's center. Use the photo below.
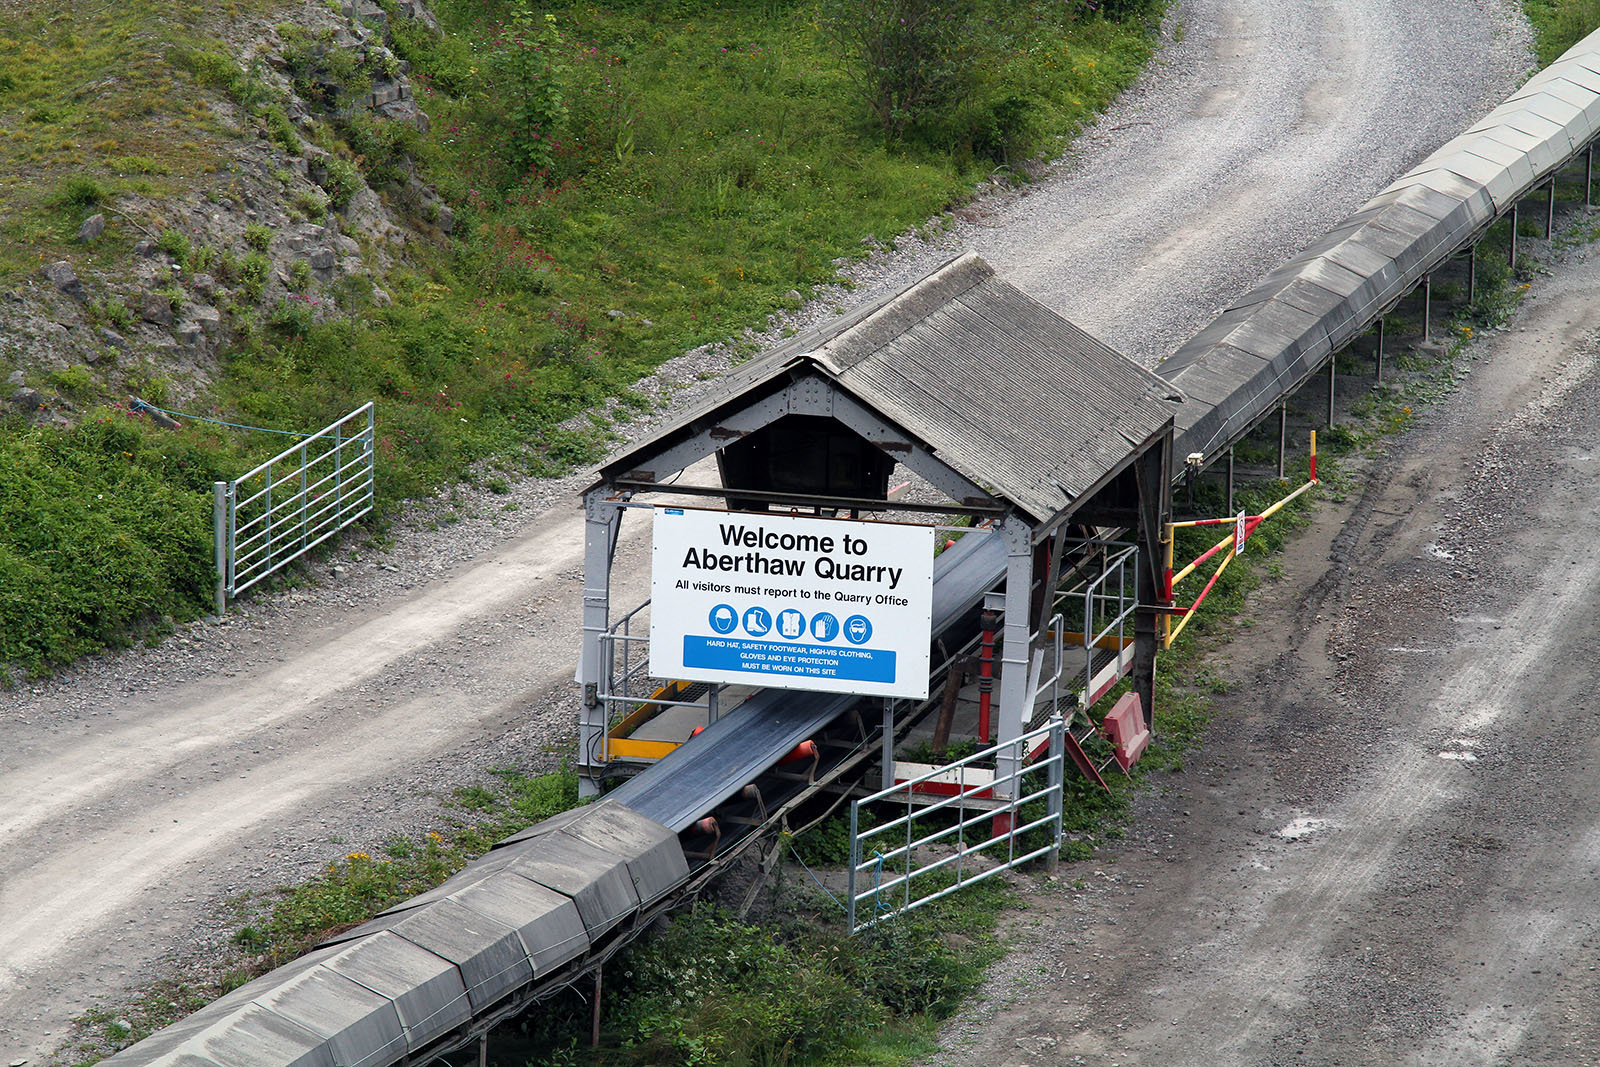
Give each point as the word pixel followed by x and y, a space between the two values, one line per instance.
pixel 832 605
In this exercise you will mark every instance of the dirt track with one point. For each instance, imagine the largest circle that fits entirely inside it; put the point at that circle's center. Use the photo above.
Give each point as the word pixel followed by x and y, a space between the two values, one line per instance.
pixel 137 791
pixel 1387 850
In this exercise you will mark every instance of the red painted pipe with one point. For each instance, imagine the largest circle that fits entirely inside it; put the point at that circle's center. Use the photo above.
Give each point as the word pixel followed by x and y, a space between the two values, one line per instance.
pixel 985 676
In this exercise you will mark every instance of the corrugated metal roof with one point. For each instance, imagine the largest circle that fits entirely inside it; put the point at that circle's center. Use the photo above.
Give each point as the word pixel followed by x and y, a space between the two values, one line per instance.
pixel 1001 389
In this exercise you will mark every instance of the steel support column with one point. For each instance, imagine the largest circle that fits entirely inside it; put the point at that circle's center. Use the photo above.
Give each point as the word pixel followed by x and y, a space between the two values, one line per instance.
pixel 1153 471
pixel 1588 176
pixel 1550 211
pixel 1017 643
pixel 1514 213
pixel 1472 273
pixel 1229 508
pixel 1283 431
pixel 1333 374
pixel 1427 308
pixel 602 522
pixel 887 743
pixel 219 533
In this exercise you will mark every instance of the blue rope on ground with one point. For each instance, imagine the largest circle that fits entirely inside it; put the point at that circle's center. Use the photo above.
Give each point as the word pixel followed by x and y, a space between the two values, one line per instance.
pixel 141 405
pixel 878 904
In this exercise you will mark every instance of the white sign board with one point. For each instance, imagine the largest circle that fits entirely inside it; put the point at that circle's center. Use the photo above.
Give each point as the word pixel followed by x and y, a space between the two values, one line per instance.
pixel 831 605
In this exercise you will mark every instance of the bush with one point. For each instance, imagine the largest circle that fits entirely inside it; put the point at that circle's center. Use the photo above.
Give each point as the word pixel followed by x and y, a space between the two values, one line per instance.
pixel 525 59
pixel 1560 24
pixel 293 316
pixel 79 193
pixel 341 183
pixel 176 244
pixel 101 529
pixel 911 59
pixel 74 381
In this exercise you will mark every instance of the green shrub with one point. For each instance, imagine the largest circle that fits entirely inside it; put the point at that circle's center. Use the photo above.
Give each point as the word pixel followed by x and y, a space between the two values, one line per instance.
pixel 293 316
pixel 102 527
pixel 1560 24
pixel 910 59
pixel 113 311
pixel 79 193
pixel 384 146
pixel 313 204
pixel 342 183
pixel 528 76
pixel 175 243
pixel 257 236
pixel 253 274
pixel 74 381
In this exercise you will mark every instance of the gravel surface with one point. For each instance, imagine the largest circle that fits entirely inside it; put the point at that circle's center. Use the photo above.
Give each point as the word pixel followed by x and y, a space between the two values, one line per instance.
pixel 1387 847
pixel 137 790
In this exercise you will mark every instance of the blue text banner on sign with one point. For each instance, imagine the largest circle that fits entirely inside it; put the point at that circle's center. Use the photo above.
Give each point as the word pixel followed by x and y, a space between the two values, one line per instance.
pixel 794 602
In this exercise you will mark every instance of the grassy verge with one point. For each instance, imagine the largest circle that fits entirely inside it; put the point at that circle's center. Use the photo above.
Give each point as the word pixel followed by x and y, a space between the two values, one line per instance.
pixel 705 166
pixel 1560 24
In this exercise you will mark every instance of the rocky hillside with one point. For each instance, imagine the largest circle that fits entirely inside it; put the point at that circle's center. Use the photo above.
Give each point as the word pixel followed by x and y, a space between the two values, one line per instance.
pixel 280 223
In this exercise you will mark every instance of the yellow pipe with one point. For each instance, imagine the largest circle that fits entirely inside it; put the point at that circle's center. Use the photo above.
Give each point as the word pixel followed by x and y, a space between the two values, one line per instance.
pixel 1167 539
pixel 1185 620
pixel 1190 569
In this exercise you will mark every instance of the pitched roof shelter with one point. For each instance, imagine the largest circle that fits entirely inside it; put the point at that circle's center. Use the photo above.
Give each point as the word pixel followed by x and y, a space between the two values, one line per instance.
pixel 1021 406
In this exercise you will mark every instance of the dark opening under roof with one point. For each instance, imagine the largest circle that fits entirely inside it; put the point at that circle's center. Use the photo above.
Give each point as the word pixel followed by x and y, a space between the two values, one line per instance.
pixel 996 386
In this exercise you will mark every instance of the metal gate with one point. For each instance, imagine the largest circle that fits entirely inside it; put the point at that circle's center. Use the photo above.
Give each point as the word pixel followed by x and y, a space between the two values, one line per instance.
pixel 990 821
pixel 291 503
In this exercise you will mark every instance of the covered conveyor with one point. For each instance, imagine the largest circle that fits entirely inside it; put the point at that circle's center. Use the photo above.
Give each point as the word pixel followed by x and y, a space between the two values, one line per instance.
pixel 1033 429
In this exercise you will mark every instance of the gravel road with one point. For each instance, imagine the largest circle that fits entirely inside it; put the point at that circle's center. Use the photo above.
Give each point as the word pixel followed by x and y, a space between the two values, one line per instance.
pixel 137 790
pixel 1387 849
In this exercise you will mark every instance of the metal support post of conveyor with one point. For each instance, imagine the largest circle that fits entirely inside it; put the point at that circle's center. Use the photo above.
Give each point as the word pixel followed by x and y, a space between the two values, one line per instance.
pixel 602 524
pixel 1230 480
pixel 1427 308
pixel 1333 373
pixel 1550 210
pixel 1283 427
pixel 1016 644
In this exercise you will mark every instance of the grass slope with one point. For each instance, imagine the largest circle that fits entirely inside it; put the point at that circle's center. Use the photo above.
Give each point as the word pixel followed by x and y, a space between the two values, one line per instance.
pixel 710 163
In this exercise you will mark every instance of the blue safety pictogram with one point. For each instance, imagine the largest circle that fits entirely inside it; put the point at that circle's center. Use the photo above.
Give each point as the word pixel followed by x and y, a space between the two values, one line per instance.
pixel 723 619
pixel 791 624
pixel 757 621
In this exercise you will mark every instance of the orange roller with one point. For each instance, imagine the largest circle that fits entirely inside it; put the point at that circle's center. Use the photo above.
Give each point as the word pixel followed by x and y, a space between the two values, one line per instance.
pixel 804 750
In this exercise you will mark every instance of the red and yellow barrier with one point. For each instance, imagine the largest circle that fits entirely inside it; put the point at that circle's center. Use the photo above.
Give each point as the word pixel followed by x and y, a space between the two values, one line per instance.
pixel 1233 544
